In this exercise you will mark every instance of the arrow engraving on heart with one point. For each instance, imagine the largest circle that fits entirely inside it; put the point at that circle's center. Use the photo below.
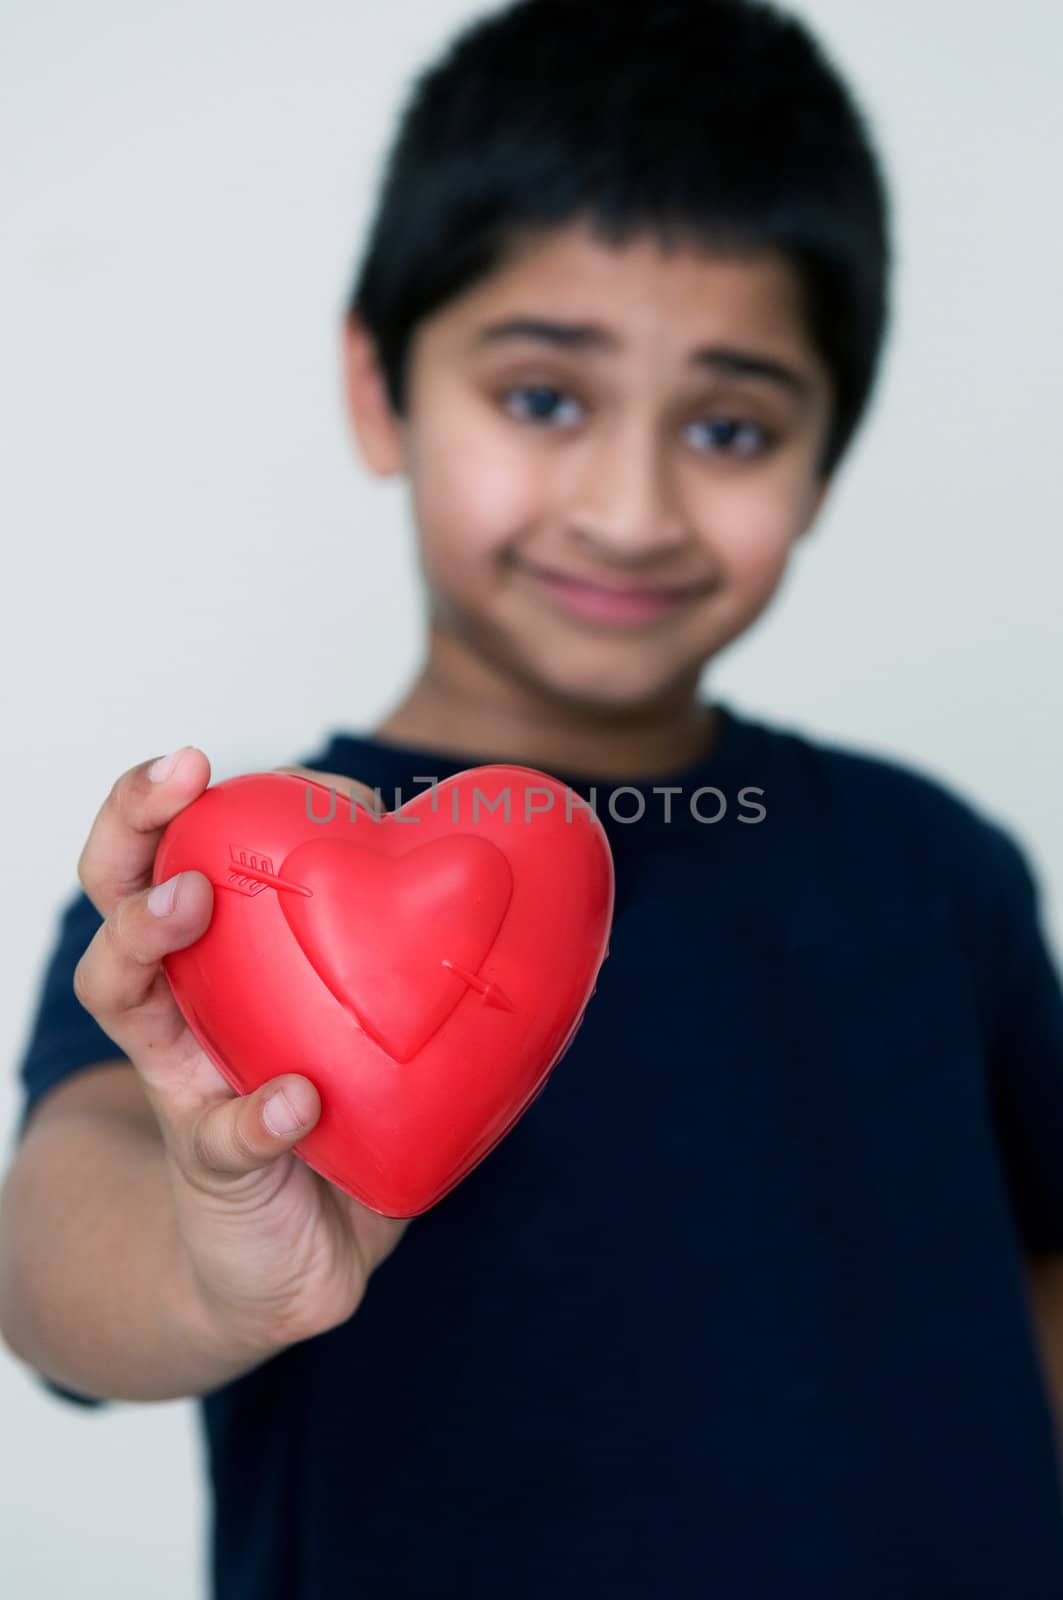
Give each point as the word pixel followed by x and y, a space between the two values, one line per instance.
pixel 451 894
pixel 252 872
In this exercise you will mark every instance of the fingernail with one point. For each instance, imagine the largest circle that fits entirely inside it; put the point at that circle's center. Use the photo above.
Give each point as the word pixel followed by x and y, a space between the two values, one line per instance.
pixel 162 897
pixel 161 769
pixel 279 1116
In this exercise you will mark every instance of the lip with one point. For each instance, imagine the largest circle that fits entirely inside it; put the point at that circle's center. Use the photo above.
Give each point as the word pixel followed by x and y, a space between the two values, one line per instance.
pixel 611 602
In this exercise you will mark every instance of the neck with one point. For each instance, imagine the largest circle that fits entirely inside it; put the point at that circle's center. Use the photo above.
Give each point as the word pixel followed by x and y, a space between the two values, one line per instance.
pixel 462 703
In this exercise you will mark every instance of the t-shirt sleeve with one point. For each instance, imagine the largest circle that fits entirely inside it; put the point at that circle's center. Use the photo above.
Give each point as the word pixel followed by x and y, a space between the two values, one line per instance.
pixel 62 1039
pixel 1026 1050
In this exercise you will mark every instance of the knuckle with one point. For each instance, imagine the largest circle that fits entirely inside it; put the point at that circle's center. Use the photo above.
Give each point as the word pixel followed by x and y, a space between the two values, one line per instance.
pixel 219 1143
pixel 202 1145
pixel 124 933
pixel 83 985
pixel 87 876
pixel 246 1148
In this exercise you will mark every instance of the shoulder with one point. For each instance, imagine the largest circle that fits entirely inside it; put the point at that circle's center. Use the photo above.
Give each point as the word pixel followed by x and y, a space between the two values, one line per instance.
pixel 877 804
pixel 842 771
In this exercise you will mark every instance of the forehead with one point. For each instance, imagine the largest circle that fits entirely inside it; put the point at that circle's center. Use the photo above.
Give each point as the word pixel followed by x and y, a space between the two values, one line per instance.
pixel 641 290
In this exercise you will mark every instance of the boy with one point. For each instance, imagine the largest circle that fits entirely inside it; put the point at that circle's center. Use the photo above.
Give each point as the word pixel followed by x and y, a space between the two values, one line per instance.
pixel 739 1307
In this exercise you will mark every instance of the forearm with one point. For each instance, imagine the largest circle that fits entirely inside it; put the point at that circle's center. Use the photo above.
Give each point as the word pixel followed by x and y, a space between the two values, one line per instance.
pixel 95 1292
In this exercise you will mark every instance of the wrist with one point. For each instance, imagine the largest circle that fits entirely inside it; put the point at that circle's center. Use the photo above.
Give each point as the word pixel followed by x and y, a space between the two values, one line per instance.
pixel 218 1352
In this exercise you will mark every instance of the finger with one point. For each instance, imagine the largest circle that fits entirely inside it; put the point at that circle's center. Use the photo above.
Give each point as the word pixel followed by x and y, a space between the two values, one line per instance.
pixel 120 979
pixel 120 850
pixel 212 1132
pixel 350 787
pixel 239 1135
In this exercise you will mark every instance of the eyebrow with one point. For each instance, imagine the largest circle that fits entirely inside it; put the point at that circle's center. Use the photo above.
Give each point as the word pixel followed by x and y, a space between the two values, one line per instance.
pixel 591 336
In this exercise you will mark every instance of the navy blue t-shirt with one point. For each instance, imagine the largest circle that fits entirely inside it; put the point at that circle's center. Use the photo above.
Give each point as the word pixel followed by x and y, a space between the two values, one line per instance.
pixel 737 1309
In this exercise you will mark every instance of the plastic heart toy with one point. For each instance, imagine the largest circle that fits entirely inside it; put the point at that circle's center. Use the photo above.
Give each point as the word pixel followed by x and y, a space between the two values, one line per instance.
pixel 426 969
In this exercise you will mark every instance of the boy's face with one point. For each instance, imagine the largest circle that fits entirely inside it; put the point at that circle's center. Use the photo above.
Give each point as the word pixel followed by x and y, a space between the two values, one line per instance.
pixel 600 508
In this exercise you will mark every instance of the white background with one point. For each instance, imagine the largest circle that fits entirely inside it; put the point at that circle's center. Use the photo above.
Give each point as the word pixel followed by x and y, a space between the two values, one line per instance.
pixel 194 555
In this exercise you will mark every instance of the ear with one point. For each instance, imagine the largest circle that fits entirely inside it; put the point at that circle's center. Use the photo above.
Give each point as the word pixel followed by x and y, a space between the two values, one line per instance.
pixel 376 427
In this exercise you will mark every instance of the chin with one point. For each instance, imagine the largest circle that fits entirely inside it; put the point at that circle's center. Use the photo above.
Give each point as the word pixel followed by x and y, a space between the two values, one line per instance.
pixel 608 691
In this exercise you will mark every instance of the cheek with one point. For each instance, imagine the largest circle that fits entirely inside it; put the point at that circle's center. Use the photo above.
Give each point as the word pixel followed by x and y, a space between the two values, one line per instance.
pixel 752 533
pixel 472 497
pixel 469 511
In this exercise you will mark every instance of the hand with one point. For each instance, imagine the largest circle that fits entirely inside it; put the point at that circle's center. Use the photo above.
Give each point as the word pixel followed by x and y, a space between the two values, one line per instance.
pixel 274 1252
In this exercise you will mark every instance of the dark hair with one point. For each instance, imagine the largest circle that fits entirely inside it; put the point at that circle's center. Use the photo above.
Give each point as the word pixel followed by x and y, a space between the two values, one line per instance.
pixel 719 122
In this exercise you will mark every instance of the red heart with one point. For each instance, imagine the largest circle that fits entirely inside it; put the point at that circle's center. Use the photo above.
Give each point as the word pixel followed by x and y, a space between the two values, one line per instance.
pixel 427 969
pixel 391 971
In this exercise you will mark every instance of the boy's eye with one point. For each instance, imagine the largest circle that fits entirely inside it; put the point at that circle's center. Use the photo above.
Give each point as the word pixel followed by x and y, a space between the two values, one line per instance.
pixel 733 436
pixel 542 403
pixel 537 402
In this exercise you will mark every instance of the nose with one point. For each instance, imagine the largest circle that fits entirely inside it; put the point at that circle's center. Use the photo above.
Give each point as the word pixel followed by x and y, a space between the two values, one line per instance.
pixel 625 504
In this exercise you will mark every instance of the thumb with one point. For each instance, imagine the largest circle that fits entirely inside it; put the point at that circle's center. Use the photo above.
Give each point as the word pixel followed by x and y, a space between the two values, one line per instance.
pixel 234 1137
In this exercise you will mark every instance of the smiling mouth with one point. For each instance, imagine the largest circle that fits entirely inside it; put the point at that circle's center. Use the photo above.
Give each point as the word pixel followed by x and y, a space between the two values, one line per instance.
pixel 612 602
